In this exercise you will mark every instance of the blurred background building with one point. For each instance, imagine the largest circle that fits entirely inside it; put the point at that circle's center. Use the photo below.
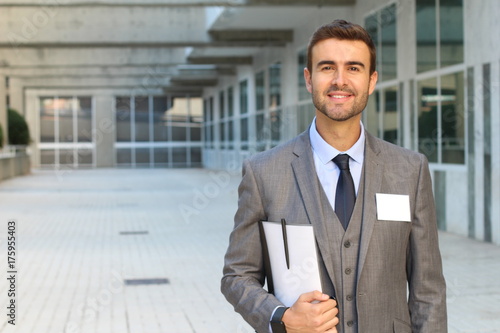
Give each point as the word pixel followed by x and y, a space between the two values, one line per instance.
pixel 207 83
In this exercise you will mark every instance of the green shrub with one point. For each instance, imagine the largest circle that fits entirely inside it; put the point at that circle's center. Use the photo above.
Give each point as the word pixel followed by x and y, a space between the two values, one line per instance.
pixel 19 133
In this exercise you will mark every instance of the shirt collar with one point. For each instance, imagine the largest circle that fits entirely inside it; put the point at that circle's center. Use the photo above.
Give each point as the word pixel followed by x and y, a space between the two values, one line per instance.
pixel 326 153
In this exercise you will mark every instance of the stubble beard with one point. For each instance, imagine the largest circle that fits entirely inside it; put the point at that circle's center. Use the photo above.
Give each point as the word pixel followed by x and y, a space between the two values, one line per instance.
pixel 321 102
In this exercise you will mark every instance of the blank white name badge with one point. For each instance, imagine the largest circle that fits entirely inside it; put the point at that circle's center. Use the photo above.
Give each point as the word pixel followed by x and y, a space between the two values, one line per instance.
pixel 393 207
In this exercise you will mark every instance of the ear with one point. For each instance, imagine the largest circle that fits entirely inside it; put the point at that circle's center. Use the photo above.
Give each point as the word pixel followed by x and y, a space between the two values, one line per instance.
pixel 373 82
pixel 307 78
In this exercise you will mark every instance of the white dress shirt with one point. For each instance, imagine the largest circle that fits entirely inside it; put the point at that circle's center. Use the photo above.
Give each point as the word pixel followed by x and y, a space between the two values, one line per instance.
pixel 328 172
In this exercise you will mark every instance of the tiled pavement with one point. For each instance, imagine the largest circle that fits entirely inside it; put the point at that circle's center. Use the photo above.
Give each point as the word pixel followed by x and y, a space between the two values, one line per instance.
pixel 81 235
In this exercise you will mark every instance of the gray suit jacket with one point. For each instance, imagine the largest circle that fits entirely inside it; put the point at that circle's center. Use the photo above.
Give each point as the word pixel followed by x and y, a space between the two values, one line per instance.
pixel 399 286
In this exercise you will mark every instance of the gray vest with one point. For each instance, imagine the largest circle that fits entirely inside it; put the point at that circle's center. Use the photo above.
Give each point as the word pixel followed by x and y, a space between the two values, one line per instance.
pixel 347 245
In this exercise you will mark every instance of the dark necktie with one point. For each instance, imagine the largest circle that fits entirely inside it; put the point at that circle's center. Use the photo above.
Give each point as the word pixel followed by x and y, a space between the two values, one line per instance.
pixel 345 196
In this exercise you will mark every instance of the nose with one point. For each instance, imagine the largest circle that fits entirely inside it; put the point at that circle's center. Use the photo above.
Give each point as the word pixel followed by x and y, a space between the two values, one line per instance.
pixel 339 78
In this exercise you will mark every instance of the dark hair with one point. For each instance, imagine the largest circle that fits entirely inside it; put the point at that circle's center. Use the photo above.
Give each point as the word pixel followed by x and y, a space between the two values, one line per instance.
pixel 342 30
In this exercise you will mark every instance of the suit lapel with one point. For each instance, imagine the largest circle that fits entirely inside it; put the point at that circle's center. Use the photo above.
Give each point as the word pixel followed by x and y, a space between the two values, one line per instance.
pixel 310 190
pixel 373 169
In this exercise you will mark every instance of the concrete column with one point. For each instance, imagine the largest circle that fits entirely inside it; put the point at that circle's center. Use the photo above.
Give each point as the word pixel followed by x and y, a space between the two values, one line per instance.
pixel 16 92
pixel 3 110
pixel 104 130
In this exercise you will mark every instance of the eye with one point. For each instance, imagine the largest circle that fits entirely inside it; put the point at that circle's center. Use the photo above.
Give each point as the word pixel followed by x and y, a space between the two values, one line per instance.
pixel 354 69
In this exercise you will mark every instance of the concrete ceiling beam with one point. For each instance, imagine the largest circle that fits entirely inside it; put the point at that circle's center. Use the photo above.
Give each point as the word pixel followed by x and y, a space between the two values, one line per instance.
pixel 222 60
pixel 252 35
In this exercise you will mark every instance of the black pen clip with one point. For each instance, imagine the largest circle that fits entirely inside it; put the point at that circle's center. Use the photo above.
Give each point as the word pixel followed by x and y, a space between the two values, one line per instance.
pixel 285 243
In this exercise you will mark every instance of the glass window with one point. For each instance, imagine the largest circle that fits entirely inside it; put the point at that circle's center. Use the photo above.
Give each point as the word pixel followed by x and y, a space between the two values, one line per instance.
pixel 66 157
pixel 306 114
pixel 244 96
pixel 260 92
pixel 426 35
pixel 275 85
pixel 123 110
pixel 195 118
pixel 275 119
pixel 68 121
pixel 211 119
pixel 178 116
pixel 124 156
pixel 371 114
pixel 48 115
pixel 390 130
pixel 441 127
pixel 382 28
pixel 453 118
pixel 222 130
pixel 160 128
pixel 161 156
pixel 230 133
pixel 179 156
pixel 388 52
pixel 371 26
pixel 141 118
pixel 221 105
pixel 451 32
pixel 65 116
pixel 142 156
pixel 428 118
pixel 450 38
pixel 84 121
pixel 302 63
pixel 230 102
pixel 261 132
pixel 196 156
pixel 47 157
pixel 85 156
pixel 244 133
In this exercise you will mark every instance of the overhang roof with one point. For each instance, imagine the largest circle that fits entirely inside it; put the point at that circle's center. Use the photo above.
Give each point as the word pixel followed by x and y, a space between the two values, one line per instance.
pixel 193 42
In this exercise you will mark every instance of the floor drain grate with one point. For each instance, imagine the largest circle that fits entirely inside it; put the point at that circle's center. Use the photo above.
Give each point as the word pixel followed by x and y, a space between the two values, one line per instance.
pixel 139 282
pixel 141 232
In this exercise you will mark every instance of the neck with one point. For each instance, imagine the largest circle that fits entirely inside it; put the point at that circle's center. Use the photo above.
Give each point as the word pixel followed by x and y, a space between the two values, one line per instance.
pixel 341 135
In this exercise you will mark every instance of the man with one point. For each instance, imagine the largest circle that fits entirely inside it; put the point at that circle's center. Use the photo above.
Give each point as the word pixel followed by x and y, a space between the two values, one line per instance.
pixel 382 263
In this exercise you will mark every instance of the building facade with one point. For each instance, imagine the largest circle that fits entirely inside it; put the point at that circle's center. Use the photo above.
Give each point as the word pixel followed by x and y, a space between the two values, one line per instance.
pixel 198 83
pixel 438 93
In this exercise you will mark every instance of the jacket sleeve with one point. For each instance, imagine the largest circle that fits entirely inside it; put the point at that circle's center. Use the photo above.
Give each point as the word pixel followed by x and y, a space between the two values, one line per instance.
pixel 427 288
pixel 243 273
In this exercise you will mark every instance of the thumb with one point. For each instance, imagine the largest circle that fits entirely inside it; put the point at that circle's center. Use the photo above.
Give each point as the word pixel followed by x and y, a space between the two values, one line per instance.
pixel 313 296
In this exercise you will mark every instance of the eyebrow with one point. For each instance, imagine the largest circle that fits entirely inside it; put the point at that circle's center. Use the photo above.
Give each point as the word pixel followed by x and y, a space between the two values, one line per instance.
pixel 331 62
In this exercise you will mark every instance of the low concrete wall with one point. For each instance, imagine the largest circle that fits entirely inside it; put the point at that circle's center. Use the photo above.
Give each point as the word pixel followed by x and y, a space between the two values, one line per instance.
pixel 17 164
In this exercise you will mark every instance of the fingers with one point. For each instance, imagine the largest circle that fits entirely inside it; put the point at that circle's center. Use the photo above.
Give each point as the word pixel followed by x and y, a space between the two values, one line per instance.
pixel 313 311
pixel 313 296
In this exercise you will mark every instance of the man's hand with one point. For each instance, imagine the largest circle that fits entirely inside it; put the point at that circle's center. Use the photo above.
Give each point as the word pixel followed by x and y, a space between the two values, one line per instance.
pixel 312 312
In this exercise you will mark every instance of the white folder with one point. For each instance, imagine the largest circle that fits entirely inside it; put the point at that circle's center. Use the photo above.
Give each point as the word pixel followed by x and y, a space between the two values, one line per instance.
pixel 287 284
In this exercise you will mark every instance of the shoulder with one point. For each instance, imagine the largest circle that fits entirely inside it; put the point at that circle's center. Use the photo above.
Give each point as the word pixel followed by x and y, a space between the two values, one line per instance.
pixel 281 154
pixel 391 153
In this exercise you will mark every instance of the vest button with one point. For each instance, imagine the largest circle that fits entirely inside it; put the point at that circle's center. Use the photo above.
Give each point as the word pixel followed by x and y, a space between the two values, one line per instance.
pixel 348 271
pixel 347 244
pixel 349 297
pixel 350 323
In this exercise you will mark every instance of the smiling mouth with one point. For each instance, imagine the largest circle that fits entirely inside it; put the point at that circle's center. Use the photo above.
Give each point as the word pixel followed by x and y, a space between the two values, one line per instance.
pixel 339 96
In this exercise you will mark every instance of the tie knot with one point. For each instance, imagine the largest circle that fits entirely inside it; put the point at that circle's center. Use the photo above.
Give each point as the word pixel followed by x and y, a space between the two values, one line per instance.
pixel 342 161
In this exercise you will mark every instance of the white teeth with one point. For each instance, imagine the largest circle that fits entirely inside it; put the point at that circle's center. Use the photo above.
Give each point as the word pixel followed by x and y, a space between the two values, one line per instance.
pixel 338 96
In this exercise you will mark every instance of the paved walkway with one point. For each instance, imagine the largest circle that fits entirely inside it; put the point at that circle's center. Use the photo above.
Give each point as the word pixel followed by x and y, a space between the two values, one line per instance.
pixel 89 243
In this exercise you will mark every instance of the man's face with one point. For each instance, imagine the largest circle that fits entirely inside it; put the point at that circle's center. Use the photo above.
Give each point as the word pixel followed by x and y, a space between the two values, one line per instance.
pixel 340 79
